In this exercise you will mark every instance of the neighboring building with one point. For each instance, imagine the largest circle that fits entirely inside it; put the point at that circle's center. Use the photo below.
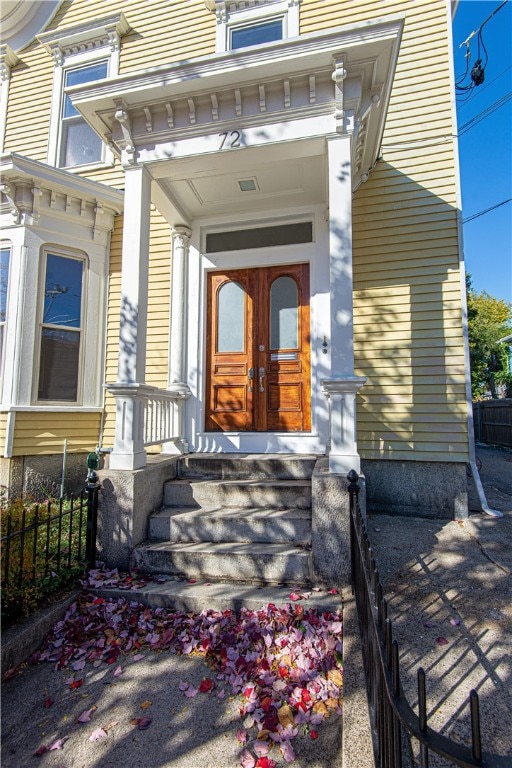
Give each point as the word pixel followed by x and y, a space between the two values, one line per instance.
pixel 234 227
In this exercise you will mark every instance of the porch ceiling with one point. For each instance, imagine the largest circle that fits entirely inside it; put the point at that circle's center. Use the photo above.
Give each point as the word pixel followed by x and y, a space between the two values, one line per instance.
pixel 205 186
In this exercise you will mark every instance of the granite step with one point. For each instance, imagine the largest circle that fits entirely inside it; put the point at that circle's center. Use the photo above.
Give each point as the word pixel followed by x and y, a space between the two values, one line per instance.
pixel 182 595
pixel 230 561
pixel 226 466
pixel 237 493
pixel 236 524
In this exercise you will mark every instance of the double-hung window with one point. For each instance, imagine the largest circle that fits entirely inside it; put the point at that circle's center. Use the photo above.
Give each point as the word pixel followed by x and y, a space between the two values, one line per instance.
pixel 79 144
pixel 82 54
pixel 61 329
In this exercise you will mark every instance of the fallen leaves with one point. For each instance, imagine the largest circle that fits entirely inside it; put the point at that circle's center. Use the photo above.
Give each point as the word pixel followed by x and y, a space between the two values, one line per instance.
pixel 284 662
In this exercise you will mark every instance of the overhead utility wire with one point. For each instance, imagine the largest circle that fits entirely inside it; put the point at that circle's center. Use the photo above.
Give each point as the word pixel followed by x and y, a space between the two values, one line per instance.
pixel 477 72
pixel 487 210
pixel 485 113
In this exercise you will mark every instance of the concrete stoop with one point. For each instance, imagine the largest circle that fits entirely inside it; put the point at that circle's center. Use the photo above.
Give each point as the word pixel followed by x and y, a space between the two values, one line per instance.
pixel 234 518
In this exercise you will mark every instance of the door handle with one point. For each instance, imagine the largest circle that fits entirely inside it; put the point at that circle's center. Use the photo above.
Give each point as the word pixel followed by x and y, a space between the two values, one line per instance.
pixel 261 374
pixel 251 377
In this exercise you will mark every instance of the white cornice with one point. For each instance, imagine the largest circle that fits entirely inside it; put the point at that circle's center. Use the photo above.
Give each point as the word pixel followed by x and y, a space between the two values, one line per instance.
pixel 106 31
pixel 16 169
pixel 273 60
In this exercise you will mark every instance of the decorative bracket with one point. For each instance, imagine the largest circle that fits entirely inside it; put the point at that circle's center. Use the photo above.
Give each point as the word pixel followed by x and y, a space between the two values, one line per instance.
pixel 126 144
pixel 10 193
pixel 338 76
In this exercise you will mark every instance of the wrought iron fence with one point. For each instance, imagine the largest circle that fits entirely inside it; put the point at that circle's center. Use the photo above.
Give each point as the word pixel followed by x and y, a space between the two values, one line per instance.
pixel 44 545
pixel 395 725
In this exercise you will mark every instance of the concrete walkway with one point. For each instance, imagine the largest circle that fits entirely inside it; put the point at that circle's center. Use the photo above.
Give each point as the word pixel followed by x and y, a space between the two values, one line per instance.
pixel 449 587
pixel 443 580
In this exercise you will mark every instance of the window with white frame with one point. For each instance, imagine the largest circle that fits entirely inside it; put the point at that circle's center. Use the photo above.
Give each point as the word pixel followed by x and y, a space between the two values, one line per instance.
pixel 61 328
pixel 79 144
pixel 240 26
pixel 82 54
pixel 5 258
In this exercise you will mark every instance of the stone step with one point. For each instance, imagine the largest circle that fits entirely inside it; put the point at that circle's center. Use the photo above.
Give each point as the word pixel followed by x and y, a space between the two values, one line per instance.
pixel 231 466
pixel 237 493
pixel 181 595
pixel 231 524
pixel 230 561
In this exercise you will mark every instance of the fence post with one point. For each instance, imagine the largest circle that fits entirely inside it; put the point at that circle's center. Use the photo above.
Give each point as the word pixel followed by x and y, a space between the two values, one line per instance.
pixel 92 487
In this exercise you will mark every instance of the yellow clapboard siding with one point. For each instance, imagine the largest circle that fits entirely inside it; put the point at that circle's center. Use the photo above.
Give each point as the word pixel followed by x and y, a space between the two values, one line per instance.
pixel 40 433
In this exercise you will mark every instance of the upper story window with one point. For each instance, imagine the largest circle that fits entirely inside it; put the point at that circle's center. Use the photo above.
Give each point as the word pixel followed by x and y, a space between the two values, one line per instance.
pixel 255 34
pixel 61 329
pixel 79 144
pixel 265 21
pixel 81 54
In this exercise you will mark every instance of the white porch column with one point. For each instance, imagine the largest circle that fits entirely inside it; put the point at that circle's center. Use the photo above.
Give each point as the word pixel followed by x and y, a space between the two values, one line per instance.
pixel 341 388
pixel 128 452
pixel 178 335
pixel 340 254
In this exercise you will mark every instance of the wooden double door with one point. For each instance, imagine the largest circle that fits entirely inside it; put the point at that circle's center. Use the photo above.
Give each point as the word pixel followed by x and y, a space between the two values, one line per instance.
pixel 258 350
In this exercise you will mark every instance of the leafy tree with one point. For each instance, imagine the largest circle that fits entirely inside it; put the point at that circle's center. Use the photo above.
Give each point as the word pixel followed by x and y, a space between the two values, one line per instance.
pixel 489 319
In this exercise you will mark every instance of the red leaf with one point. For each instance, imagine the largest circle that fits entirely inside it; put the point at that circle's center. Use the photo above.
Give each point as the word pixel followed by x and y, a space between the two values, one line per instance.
pixel 76 684
pixel 294 596
pixel 313 735
pixel 265 762
pixel 333 591
pixel 441 641
pixel 205 685
pixel 40 751
pixel 47 703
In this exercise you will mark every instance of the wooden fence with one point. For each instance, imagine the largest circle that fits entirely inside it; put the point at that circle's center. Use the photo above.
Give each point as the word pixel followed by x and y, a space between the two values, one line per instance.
pixel 493 422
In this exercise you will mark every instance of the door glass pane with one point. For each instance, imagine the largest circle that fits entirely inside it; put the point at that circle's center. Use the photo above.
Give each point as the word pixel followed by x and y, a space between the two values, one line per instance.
pixel 63 291
pixel 231 318
pixel 284 314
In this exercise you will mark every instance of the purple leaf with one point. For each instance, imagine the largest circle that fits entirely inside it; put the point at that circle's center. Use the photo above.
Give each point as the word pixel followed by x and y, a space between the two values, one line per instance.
pixel 97 735
pixel 58 744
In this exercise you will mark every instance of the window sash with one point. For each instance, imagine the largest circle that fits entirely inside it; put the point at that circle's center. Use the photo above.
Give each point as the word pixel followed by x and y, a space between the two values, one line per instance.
pixel 60 342
pixel 78 143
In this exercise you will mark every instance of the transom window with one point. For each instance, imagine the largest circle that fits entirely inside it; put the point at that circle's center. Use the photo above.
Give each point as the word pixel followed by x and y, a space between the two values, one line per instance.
pixel 79 144
pixel 61 329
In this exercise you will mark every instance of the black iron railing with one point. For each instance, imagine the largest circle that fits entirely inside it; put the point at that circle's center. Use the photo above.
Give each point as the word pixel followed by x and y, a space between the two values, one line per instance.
pixel 396 727
pixel 43 546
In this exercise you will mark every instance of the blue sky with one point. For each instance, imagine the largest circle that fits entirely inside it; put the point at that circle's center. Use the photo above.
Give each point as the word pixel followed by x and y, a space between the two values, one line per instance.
pixel 486 149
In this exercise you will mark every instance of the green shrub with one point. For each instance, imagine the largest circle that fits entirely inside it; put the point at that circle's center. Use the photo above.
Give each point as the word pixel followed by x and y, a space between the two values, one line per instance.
pixel 43 552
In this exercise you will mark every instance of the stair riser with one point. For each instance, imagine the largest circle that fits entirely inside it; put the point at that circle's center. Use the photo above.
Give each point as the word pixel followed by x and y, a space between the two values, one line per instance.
pixel 230 566
pixel 215 529
pixel 219 495
pixel 199 467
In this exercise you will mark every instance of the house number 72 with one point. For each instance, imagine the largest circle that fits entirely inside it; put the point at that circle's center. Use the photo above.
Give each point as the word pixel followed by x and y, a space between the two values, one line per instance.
pixel 230 139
